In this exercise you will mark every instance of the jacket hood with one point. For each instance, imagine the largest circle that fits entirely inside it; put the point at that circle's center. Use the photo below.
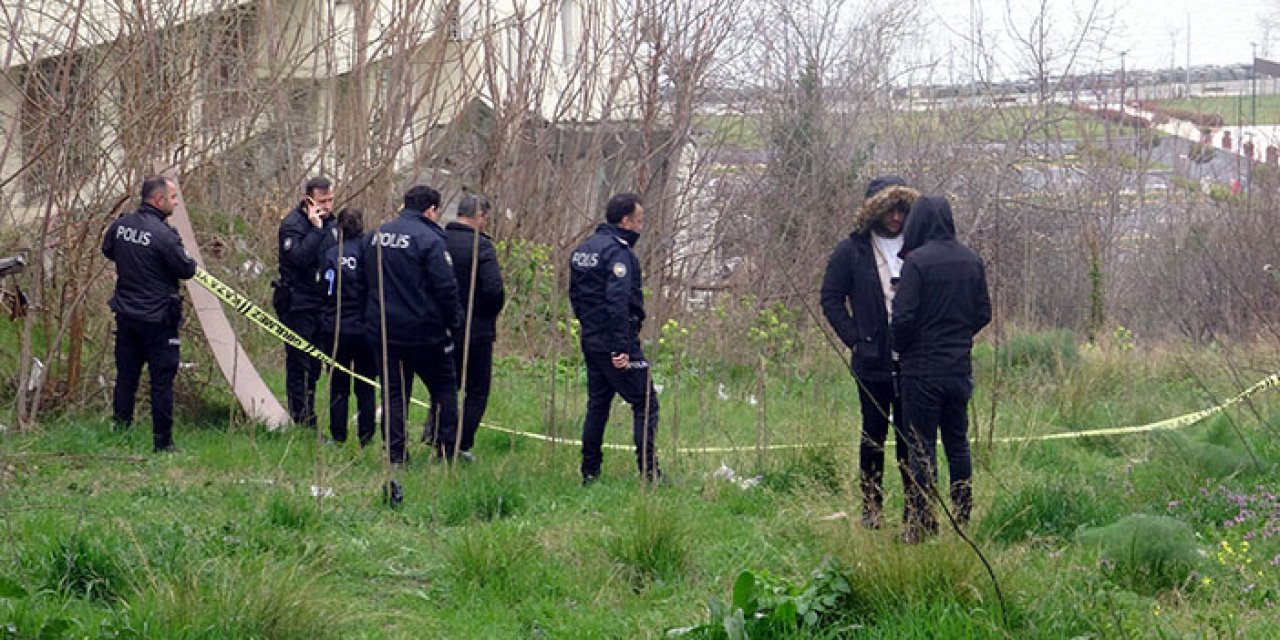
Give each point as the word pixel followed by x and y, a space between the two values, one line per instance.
pixel 930 219
pixel 882 202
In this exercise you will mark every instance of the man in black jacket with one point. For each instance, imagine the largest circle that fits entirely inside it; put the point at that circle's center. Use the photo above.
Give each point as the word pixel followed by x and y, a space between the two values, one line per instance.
pixel 343 331
pixel 941 303
pixel 475 264
pixel 150 260
pixel 857 292
pixel 605 291
pixel 305 233
pixel 411 311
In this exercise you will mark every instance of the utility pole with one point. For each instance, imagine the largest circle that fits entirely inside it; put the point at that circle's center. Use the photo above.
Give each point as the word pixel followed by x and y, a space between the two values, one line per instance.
pixel 1122 55
pixel 1253 122
pixel 1188 94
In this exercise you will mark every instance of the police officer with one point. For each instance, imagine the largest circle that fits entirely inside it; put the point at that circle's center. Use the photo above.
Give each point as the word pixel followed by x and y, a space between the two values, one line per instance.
pixel 413 308
pixel 605 290
pixel 149 261
pixel 343 319
pixel 475 264
pixel 305 233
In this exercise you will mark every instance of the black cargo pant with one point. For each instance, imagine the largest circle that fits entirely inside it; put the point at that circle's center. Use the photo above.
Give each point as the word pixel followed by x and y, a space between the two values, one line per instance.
pixel 156 345
pixel 479 373
pixel 879 400
pixel 300 370
pixel 635 385
pixel 434 365
pixel 356 353
pixel 932 405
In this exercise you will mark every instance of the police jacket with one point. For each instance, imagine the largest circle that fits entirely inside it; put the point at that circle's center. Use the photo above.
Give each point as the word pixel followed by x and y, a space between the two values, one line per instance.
pixel 942 298
pixel 149 261
pixel 490 294
pixel 343 277
pixel 605 291
pixel 301 246
pixel 418 292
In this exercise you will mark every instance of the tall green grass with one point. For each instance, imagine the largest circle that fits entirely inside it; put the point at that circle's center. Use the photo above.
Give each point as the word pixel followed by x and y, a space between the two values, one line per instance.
pixel 101 538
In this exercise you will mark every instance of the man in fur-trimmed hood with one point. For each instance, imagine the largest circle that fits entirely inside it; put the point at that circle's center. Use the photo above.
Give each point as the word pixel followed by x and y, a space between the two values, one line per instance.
pixel 857 296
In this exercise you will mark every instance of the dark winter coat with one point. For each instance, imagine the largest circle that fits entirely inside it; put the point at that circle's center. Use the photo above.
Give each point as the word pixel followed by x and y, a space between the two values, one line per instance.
pixel 942 299
pixel 490 294
pixel 150 262
pixel 852 297
pixel 301 246
pixel 605 291
pixel 344 282
pixel 418 291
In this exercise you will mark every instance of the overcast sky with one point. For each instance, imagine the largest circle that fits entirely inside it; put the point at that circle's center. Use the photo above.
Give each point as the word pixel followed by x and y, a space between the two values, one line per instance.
pixel 1150 30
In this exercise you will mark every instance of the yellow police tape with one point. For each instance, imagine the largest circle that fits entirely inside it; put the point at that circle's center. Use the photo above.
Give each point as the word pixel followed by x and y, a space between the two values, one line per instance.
pixel 273 326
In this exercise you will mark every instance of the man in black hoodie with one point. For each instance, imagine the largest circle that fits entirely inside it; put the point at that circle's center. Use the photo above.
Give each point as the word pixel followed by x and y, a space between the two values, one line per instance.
pixel 475 264
pixel 150 260
pixel 941 303
pixel 856 293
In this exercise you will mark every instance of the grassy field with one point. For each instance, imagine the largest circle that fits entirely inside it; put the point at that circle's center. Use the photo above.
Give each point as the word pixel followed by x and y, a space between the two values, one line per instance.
pixel 253 534
pixel 993 124
pixel 1234 111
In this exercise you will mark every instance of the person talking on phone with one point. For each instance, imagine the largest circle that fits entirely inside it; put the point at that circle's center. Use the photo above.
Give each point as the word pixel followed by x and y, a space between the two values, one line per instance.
pixel 306 232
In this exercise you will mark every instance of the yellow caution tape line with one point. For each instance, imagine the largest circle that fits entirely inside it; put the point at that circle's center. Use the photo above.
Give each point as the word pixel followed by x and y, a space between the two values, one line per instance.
pixel 627 447
pixel 1177 422
pixel 275 327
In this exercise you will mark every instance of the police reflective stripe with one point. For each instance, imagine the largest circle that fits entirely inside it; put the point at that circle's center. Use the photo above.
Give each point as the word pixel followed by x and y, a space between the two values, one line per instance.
pixel 271 325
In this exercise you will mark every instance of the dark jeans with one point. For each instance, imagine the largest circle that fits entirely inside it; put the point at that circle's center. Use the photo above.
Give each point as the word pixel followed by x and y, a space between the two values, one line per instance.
pixel 434 365
pixel 356 353
pixel 933 405
pixel 300 370
pixel 879 400
pixel 635 386
pixel 478 377
pixel 155 345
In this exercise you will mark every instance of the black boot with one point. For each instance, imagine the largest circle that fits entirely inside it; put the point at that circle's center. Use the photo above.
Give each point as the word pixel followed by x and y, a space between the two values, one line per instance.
pixel 962 501
pixel 872 501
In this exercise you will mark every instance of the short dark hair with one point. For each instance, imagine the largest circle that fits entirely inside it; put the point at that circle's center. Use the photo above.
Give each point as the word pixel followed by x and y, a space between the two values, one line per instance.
pixel 152 185
pixel 421 197
pixel 470 203
pixel 621 206
pixel 351 222
pixel 318 183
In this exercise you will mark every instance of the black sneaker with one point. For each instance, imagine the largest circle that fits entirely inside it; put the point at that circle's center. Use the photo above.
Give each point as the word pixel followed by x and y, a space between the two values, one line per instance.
pixel 589 479
pixel 168 448
pixel 467 457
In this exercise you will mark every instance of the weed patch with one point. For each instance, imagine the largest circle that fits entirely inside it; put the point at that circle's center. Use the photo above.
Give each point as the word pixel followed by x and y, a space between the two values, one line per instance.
pixel 1147 554
pixel 655 545
pixel 1052 508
